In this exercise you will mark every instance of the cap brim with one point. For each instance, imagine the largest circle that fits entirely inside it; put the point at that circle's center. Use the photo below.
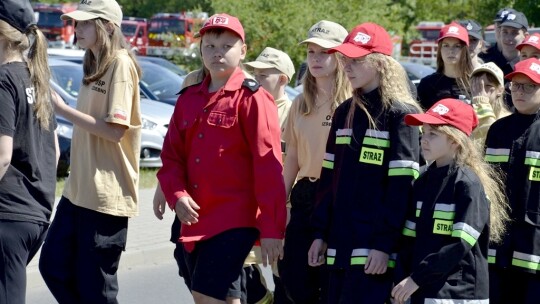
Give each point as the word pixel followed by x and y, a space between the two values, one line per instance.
pixel 327 44
pixel 419 119
pixel 209 27
pixel 533 76
pixel 521 45
pixel 259 65
pixel 79 16
pixel 513 24
pixel 476 35
pixel 480 70
pixel 350 50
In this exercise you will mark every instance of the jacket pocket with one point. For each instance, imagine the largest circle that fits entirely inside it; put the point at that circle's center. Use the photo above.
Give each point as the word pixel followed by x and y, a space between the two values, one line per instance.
pixel 221 119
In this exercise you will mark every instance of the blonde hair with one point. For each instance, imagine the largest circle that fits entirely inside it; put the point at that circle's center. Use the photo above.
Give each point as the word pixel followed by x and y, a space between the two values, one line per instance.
pixel 465 68
pixel 95 67
pixel 393 87
pixel 498 105
pixel 341 89
pixel 40 75
pixel 468 154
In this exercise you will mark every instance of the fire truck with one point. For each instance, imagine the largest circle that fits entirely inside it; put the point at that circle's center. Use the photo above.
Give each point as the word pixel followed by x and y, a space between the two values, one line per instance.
pixel 170 34
pixel 59 33
pixel 424 49
pixel 136 32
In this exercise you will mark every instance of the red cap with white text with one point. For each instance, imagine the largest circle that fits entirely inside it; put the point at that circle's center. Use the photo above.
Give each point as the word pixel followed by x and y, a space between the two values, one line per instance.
pixel 365 39
pixel 447 111
pixel 454 30
pixel 529 68
pixel 532 40
pixel 223 21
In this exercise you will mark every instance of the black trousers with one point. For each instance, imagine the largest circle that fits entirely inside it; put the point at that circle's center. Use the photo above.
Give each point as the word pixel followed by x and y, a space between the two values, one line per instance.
pixel 303 284
pixel 81 253
pixel 19 243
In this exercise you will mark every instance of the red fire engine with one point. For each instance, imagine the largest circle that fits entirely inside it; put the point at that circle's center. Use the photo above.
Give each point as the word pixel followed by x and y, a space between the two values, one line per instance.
pixel 60 33
pixel 170 34
pixel 136 32
pixel 424 49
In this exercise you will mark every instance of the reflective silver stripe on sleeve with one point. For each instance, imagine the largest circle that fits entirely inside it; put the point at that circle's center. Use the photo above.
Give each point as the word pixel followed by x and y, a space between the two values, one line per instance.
pixel 330 252
pixel 467 228
pixel 497 151
pixel 404 164
pixel 454 301
pixel 344 132
pixel 445 207
pixel 360 252
pixel 377 134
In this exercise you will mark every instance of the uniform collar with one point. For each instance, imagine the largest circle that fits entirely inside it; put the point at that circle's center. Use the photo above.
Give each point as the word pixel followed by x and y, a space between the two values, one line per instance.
pixel 233 83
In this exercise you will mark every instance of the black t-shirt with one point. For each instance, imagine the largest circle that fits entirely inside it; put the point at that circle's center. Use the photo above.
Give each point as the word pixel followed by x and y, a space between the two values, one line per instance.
pixel 437 86
pixel 27 189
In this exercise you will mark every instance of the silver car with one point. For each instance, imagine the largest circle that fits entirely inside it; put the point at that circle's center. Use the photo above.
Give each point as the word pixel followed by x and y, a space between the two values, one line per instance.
pixel 66 79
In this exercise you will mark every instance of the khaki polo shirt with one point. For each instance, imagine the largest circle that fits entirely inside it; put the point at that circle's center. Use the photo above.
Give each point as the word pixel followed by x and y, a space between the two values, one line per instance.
pixel 105 175
pixel 308 133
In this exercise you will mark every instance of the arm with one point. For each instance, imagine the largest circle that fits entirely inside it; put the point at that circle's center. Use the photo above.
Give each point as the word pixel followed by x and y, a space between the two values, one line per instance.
pixel 291 167
pixel 6 151
pixel 260 125
pixel 470 221
pixel 56 147
pixel 110 131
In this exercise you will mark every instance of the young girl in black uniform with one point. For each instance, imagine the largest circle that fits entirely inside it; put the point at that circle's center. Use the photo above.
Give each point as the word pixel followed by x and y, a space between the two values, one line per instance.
pixel 448 228
pixel 451 80
pixel 371 159
pixel 513 146
pixel 28 146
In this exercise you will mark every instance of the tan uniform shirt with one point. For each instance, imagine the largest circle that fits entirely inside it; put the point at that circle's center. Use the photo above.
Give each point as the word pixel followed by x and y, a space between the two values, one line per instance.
pixel 308 133
pixel 105 175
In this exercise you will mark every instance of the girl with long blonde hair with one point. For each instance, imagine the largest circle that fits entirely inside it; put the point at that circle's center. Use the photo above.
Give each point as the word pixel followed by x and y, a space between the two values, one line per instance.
pixel 306 130
pixel 28 145
pixel 370 161
pixel 80 257
pixel 458 206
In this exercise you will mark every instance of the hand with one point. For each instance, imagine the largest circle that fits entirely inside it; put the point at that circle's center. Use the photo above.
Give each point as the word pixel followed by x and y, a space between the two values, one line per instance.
pixel 403 291
pixel 376 263
pixel 478 88
pixel 271 250
pixel 159 203
pixel 316 253
pixel 185 210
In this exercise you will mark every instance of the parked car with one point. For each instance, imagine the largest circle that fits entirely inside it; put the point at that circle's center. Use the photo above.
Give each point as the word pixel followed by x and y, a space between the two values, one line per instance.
pixel 157 83
pixel 417 71
pixel 66 79
pixel 163 63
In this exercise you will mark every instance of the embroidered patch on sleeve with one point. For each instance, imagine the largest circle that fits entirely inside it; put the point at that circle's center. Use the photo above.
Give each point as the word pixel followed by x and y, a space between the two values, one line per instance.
pixel 119 114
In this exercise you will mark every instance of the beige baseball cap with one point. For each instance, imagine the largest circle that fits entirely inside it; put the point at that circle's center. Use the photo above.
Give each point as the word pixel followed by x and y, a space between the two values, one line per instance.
pixel 272 58
pixel 326 34
pixel 93 9
pixel 491 68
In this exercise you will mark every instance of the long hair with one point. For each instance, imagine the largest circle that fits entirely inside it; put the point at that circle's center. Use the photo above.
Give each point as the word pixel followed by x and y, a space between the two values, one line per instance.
pixel 341 89
pixel 465 68
pixel 498 105
pixel 37 63
pixel 95 67
pixel 393 87
pixel 468 154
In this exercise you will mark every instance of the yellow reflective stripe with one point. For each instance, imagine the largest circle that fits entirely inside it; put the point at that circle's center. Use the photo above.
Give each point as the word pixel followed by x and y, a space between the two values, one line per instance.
pixel 497 158
pixel 391 264
pixel 409 232
pixel 343 140
pixel 464 236
pixel 328 164
pixel 447 215
pixel 418 212
pixel 330 260
pixel 491 260
pixel 532 162
pixel 403 172
pixel 358 260
pixel 524 260
pixel 534 174
pixel 376 142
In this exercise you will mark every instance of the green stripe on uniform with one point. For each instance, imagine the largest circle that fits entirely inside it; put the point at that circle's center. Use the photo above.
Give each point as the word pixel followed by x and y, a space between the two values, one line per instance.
pixel 464 236
pixel 376 142
pixel 532 162
pixel 343 140
pixel 358 260
pixel 328 164
pixel 491 260
pixel 409 232
pixel 497 158
pixel 525 264
pixel 330 260
pixel 403 172
pixel 447 215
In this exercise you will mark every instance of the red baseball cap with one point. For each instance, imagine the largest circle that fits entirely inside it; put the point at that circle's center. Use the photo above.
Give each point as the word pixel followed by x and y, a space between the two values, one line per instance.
pixel 365 39
pixel 529 68
pixel 447 111
pixel 223 21
pixel 532 40
pixel 454 30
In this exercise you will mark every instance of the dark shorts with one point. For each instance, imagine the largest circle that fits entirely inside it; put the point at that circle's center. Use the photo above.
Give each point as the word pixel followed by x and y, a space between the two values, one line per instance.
pixel 215 265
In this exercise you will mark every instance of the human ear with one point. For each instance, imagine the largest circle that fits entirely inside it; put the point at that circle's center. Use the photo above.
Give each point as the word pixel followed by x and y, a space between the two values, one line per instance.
pixel 283 79
pixel 109 27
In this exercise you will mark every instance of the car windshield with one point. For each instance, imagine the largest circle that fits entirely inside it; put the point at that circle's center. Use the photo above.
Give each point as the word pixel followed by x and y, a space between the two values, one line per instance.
pixel 68 77
pixel 165 25
pixel 162 82
pixel 49 19
pixel 129 29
